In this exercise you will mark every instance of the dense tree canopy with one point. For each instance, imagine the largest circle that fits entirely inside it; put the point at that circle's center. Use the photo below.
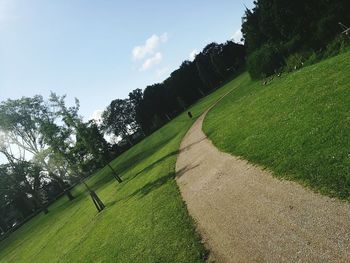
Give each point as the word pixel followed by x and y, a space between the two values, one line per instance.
pixel 275 29
pixel 160 102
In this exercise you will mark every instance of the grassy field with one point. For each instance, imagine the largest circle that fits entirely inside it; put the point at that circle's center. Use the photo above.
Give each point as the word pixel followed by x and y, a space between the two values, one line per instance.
pixel 298 125
pixel 145 219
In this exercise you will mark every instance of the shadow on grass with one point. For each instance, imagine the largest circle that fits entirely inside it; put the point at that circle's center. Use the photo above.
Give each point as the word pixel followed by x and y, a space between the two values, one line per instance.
pixel 127 164
pixel 154 185
pixel 144 190
pixel 152 165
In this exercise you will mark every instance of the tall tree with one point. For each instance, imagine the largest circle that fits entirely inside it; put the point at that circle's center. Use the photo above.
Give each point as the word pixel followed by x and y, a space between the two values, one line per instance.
pixel 29 173
pixel 21 121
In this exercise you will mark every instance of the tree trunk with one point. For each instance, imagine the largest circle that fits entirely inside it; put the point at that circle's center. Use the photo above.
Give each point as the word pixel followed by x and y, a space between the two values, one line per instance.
pixel 95 199
pixel 66 191
pixel 44 209
pixel 39 203
pixel 126 136
pixel 116 176
pixel 201 92
pixel 167 116
pixel 129 141
pixel 60 182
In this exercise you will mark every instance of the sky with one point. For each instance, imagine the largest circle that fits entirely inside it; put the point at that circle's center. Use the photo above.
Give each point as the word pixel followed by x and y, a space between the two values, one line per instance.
pixel 101 50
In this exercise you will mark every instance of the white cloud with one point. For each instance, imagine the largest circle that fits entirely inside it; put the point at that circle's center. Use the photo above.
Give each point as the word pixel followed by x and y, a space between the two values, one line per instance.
pixel 237 36
pixel 193 54
pixel 150 62
pixel 150 46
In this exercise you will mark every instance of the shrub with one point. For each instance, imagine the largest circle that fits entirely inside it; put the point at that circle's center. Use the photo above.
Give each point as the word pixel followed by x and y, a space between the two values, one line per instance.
pixel 312 59
pixel 337 46
pixel 294 62
pixel 264 61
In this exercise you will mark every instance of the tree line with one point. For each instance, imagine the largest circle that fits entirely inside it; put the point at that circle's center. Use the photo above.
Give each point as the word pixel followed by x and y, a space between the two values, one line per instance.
pixel 146 110
pixel 279 32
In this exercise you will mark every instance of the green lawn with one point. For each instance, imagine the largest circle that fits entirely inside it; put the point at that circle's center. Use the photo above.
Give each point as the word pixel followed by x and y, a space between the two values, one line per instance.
pixel 145 219
pixel 298 126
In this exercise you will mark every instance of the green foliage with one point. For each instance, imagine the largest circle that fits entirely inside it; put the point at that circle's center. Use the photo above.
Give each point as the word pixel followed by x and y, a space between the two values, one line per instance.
pixel 298 126
pixel 264 61
pixel 210 68
pixel 298 26
pixel 313 59
pixel 294 62
pixel 337 46
pixel 145 219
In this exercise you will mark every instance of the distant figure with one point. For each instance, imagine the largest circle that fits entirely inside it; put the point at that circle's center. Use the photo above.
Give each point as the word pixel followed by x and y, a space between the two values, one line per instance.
pixel 189 114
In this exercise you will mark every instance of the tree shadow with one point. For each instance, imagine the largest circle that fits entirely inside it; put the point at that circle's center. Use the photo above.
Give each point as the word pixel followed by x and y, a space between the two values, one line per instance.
pixel 128 163
pixel 187 168
pixel 152 165
pixel 192 144
pixel 152 186
pixel 145 190
pixel 141 155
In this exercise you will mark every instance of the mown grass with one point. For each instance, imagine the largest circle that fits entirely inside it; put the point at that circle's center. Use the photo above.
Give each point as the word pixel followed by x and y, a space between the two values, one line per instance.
pixel 145 219
pixel 298 126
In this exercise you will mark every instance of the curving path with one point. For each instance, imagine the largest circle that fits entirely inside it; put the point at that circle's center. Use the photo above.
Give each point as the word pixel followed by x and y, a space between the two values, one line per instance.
pixel 246 215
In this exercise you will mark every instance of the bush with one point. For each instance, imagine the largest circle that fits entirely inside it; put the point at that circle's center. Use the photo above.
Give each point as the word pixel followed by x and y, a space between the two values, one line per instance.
pixel 264 61
pixel 312 59
pixel 337 46
pixel 294 62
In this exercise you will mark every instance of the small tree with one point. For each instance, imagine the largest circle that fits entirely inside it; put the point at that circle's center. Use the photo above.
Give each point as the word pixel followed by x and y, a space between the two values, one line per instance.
pixel 61 138
pixel 92 139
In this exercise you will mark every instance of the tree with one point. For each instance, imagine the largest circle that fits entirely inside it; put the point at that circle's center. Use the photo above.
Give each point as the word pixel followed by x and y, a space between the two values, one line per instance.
pixel 30 174
pixel 119 119
pixel 15 202
pixel 161 102
pixel 60 138
pixel 90 137
pixel 142 116
pixel 21 121
pixel 294 26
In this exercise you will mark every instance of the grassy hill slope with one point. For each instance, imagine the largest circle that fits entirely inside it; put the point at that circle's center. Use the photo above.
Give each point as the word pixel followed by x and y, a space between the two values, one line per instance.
pixel 145 219
pixel 298 125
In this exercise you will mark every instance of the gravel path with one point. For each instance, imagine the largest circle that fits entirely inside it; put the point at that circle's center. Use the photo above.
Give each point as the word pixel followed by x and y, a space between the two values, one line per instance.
pixel 246 215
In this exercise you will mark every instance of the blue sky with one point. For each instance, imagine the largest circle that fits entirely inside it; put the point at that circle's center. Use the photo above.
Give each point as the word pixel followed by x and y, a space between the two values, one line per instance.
pixel 101 50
